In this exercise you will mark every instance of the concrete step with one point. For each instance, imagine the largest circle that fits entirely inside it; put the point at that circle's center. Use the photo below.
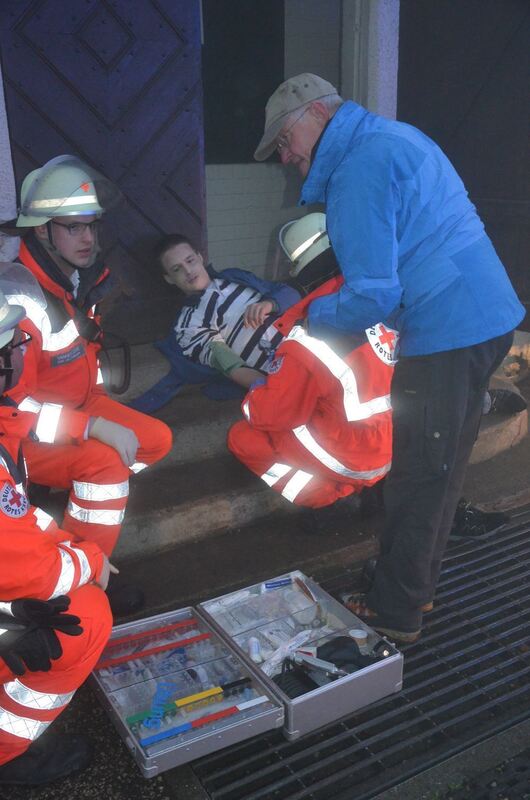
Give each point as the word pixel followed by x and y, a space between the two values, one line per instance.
pixel 190 502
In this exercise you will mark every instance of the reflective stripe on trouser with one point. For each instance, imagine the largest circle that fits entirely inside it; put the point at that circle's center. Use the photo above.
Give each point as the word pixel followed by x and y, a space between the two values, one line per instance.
pixel 283 472
pixel 95 474
pixel 29 703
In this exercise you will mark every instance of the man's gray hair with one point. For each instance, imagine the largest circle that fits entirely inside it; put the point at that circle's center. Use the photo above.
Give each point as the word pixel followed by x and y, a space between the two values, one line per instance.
pixel 331 101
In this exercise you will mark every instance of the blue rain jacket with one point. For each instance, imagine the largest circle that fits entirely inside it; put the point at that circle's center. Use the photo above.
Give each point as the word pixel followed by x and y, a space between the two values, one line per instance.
pixel 410 244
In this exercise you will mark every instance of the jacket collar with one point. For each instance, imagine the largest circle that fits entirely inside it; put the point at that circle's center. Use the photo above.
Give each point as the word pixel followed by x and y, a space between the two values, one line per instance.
pixel 34 256
pixel 330 149
pixel 299 310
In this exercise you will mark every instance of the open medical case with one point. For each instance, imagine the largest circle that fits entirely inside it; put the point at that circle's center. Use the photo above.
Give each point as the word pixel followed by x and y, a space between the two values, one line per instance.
pixel 279 653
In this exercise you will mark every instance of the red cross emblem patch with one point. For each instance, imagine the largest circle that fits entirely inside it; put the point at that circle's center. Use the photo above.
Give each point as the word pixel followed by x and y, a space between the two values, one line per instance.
pixel 383 342
pixel 12 503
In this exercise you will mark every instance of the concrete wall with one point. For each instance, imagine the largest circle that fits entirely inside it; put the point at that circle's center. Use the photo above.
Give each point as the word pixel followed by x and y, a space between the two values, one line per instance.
pixel 8 202
pixel 354 45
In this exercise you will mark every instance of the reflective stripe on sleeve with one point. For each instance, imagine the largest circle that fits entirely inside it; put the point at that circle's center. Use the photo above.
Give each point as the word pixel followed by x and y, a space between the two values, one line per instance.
pixel 48 422
pixel 30 698
pixel 305 438
pixel 246 409
pixel 84 564
pixel 23 727
pixel 66 576
pixel 43 519
pixel 99 377
pixel 274 473
pixel 96 516
pixel 294 486
pixel 29 404
pixel 100 491
pixel 5 608
pixel 138 466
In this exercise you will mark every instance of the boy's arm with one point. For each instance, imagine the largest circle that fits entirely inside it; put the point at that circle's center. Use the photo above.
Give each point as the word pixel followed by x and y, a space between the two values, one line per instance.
pixel 232 366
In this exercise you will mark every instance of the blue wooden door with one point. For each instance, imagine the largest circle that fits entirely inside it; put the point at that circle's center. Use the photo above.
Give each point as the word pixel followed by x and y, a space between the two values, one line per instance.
pixel 118 83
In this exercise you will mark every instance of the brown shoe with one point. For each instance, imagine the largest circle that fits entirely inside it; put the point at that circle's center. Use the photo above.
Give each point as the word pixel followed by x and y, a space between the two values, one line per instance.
pixel 356 603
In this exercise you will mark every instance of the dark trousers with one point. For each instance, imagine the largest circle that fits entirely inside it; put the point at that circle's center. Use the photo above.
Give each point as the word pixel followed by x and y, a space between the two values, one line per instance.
pixel 437 404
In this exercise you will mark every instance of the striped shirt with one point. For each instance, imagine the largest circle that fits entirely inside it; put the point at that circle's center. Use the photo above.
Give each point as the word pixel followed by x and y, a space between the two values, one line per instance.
pixel 218 317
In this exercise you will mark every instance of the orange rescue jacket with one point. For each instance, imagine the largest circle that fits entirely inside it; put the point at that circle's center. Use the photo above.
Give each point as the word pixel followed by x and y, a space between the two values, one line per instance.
pixel 37 559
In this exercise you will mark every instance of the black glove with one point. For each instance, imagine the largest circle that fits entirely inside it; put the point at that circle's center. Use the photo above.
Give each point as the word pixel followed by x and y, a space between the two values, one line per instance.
pixel 28 647
pixel 47 614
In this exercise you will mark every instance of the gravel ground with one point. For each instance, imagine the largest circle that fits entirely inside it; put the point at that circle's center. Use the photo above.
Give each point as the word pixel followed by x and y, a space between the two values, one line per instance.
pixel 507 781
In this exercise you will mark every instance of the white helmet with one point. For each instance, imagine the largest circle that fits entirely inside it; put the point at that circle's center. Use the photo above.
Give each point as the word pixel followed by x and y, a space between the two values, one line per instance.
pixel 304 239
pixel 306 244
pixel 64 186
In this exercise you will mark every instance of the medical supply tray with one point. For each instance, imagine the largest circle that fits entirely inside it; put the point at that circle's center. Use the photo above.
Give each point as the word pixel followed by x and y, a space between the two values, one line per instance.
pixel 189 682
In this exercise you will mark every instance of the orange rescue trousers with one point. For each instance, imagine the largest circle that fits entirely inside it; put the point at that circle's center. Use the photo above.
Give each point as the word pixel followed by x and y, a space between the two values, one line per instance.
pixel 94 473
pixel 288 468
pixel 29 703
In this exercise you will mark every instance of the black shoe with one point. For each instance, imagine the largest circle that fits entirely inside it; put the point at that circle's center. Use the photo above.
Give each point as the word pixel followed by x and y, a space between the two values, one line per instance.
pixel 504 401
pixel 125 600
pixel 471 523
pixel 46 760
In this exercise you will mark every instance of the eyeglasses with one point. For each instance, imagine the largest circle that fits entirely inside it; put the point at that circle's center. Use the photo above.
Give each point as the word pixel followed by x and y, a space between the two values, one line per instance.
pixel 282 141
pixel 78 228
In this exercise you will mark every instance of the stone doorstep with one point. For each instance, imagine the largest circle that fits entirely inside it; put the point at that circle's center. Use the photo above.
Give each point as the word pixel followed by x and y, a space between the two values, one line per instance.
pixel 156 530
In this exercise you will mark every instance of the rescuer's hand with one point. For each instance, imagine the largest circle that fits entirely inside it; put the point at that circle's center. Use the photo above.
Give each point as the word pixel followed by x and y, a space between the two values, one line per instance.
pixel 256 313
pixel 108 568
pixel 122 439
pixel 46 614
pixel 28 647
pixel 31 649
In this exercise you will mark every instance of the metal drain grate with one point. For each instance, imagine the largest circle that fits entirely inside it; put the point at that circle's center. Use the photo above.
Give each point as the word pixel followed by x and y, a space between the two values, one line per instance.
pixel 467 678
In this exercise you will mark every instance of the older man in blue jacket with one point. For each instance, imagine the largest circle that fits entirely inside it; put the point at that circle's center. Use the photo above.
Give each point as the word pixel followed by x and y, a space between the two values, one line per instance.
pixel 414 254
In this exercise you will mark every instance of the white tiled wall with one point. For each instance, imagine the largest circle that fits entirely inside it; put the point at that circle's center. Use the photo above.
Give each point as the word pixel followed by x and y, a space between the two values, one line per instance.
pixel 246 206
pixel 248 203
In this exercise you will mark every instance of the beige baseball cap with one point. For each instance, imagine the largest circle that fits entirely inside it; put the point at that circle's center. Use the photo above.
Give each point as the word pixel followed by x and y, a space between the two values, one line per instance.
pixel 290 95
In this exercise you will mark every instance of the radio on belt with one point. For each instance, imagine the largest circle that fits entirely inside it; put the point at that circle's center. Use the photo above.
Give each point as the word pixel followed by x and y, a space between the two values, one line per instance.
pixel 277 654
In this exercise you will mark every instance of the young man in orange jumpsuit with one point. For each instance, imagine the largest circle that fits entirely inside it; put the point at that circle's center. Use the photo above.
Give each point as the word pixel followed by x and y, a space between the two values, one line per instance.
pixel 86 442
pixel 319 428
pixel 49 654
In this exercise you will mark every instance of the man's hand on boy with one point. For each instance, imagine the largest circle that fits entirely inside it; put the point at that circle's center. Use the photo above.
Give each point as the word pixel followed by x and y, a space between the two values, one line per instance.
pixel 256 313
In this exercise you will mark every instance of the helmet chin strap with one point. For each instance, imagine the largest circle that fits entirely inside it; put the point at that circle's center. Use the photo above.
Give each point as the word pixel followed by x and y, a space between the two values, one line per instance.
pixel 53 251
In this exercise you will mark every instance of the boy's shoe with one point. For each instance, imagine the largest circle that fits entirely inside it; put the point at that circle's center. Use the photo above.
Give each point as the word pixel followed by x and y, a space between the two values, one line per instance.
pixel 356 603
pixel 503 401
pixel 46 760
pixel 367 579
pixel 472 523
